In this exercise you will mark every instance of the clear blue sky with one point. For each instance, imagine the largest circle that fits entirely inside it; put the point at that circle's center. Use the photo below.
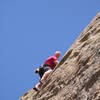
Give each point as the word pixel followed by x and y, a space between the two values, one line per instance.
pixel 30 31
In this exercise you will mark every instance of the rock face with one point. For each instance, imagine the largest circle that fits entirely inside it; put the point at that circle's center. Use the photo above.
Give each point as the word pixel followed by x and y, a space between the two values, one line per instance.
pixel 77 76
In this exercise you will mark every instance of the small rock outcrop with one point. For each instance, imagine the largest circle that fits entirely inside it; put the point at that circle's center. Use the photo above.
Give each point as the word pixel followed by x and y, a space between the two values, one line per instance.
pixel 77 76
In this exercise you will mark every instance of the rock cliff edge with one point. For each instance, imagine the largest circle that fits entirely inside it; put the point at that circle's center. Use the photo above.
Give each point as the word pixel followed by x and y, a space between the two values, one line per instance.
pixel 77 76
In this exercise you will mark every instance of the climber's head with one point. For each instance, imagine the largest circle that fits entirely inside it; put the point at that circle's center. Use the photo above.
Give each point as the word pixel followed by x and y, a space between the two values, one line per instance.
pixel 57 54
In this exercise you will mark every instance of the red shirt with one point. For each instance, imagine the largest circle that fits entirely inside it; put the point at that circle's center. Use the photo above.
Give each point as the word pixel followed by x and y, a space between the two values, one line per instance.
pixel 50 61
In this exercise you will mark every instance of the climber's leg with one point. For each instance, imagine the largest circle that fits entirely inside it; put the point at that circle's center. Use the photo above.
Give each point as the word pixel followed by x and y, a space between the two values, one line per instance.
pixel 47 71
pixel 46 74
pixel 38 86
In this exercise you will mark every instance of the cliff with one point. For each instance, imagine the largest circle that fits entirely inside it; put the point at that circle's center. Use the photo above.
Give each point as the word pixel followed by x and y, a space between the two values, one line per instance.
pixel 77 76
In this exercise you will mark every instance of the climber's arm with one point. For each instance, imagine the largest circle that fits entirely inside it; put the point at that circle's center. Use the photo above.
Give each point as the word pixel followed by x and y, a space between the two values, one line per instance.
pixel 56 62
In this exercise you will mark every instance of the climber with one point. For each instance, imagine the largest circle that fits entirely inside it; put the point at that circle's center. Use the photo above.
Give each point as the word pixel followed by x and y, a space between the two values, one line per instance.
pixel 46 69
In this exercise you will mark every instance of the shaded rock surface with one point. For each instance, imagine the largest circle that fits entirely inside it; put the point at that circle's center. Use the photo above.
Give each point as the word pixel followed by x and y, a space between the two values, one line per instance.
pixel 77 76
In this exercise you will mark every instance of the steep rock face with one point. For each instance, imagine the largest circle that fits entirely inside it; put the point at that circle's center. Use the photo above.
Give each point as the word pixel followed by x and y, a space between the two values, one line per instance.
pixel 77 77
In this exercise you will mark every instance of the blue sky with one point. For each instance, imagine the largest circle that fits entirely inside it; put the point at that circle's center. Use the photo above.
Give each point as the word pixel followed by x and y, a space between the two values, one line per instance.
pixel 32 30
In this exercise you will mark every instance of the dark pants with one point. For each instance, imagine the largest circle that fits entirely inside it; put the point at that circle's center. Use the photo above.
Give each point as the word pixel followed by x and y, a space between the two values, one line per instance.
pixel 42 70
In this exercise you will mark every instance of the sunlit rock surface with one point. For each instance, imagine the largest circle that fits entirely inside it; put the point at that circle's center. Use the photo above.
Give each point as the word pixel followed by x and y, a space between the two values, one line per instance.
pixel 77 77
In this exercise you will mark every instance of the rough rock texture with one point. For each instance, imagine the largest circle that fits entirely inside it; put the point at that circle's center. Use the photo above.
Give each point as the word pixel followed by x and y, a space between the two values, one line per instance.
pixel 77 77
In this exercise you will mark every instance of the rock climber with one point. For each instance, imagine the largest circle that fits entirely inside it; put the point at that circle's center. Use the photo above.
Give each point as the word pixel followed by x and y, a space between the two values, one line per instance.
pixel 46 69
